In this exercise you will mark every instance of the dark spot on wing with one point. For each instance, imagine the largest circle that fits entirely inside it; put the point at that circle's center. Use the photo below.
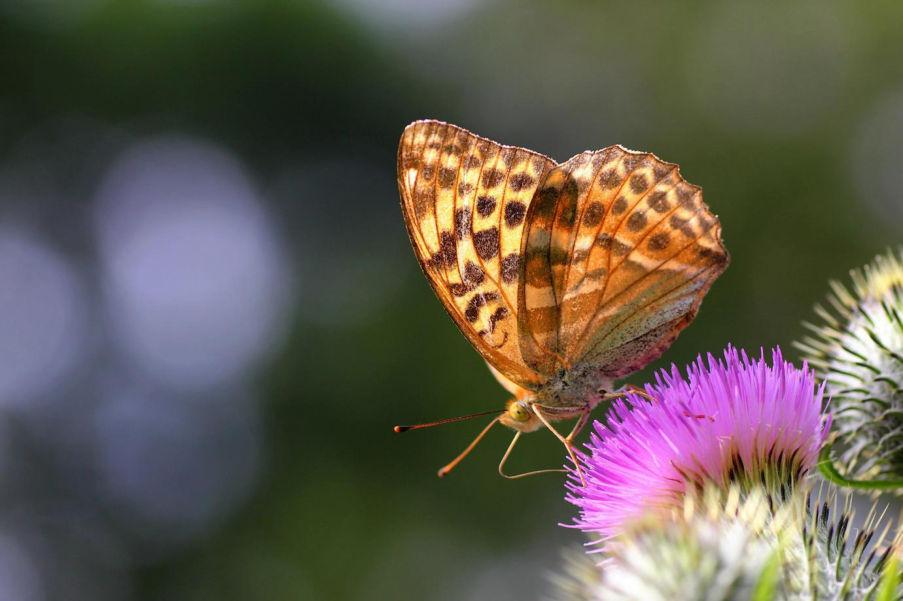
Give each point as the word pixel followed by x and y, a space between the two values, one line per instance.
pixel 681 224
pixel 492 178
pixel 447 255
pixel 446 177
pixel 485 205
pixel 472 312
pixel 659 201
pixel 459 289
pixel 487 242
pixel 499 314
pixel 659 241
pixel 514 213
pixel 473 274
pixel 510 265
pixel 609 179
pixel 638 183
pixel 619 248
pixel 592 216
pixel 520 181
pixel 636 221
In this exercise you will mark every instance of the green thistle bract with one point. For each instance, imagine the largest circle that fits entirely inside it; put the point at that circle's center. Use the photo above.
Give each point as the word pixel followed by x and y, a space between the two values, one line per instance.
pixel 579 578
pixel 842 562
pixel 721 546
pixel 858 351
pixel 733 546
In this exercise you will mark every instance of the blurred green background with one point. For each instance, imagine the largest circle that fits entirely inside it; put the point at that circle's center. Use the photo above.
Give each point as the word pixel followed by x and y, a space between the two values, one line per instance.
pixel 210 316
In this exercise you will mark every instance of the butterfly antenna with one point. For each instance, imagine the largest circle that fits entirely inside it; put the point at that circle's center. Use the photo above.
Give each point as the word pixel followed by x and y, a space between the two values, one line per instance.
pixel 448 420
pixel 454 462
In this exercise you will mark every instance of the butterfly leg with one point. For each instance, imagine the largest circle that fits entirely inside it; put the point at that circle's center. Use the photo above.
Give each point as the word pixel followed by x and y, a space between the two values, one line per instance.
pixel 630 388
pixel 640 392
pixel 565 441
pixel 578 427
pixel 516 476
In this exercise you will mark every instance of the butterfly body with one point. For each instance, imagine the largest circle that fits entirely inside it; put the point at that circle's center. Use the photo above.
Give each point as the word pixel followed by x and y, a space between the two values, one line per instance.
pixel 563 276
pixel 568 394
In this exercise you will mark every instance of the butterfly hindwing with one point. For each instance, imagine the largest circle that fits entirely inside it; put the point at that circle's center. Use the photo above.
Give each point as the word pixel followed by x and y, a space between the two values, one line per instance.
pixel 622 253
pixel 465 200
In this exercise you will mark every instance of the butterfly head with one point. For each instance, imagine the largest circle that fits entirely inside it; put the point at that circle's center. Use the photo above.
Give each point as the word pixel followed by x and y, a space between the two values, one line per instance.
pixel 519 416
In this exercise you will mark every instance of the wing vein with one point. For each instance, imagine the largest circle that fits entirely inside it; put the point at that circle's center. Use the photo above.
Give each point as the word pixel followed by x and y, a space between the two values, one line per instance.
pixel 579 220
pixel 645 194
pixel 483 266
pixel 454 211
pixel 634 283
pixel 412 191
pixel 438 168
pixel 602 224
pixel 669 291
pixel 615 231
pixel 610 272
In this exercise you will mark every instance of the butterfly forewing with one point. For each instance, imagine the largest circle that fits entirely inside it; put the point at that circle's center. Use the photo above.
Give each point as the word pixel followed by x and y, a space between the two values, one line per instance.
pixel 465 201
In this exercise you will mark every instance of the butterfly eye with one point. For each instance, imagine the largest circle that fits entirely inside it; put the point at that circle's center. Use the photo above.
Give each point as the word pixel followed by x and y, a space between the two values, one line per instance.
pixel 518 412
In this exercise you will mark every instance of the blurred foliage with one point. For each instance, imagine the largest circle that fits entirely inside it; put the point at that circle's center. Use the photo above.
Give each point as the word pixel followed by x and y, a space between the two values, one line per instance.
pixel 762 105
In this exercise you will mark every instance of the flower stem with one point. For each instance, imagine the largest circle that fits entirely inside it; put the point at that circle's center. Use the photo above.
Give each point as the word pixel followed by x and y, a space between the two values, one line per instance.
pixel 829 471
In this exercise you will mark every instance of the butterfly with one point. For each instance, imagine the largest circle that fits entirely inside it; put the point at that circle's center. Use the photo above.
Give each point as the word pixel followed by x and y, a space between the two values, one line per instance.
pixel 563 276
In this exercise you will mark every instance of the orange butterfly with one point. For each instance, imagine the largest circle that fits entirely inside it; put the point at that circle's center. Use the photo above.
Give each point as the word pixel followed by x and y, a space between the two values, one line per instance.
pixel 563 276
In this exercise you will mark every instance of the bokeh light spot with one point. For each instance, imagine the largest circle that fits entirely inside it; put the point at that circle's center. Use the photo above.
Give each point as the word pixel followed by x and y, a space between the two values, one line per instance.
pixel 173 469
pixel 42 317
pixel 193 276
pixel 20 579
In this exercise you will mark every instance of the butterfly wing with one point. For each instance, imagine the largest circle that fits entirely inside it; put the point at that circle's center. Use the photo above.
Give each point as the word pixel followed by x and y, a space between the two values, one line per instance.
pixel 620 252
pixel 465 200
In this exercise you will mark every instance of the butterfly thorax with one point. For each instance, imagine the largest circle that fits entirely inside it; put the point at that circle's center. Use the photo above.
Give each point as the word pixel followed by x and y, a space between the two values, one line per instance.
pixel 577 388
pixel 568 394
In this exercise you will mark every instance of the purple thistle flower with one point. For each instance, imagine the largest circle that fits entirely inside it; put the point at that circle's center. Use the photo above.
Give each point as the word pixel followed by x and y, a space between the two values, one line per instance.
pixel 736 420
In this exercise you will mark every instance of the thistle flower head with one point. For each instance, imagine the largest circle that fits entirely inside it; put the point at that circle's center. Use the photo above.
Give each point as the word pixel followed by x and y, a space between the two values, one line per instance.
pixel 731 421
pixel 858 350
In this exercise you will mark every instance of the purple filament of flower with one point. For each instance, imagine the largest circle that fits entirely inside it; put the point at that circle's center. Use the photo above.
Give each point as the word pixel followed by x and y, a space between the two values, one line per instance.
pixel 730 414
